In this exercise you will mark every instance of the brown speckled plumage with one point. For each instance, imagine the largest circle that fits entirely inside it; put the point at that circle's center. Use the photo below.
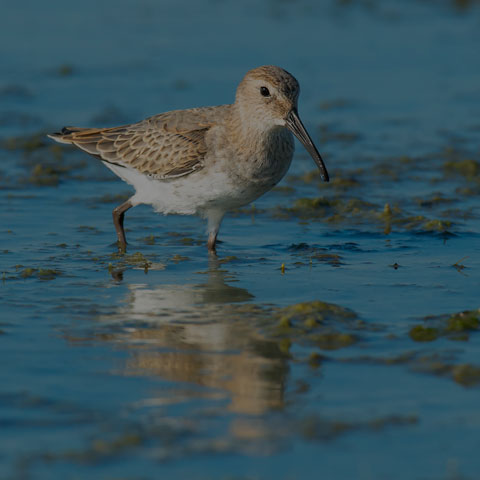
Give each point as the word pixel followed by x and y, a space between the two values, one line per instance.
pixel 164 146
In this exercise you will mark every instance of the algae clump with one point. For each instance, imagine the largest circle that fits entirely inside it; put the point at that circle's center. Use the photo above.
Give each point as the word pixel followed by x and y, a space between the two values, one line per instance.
pixel 334 340
pixel 468 168
pixel 463 321
pixel 466 375
pixel 423 334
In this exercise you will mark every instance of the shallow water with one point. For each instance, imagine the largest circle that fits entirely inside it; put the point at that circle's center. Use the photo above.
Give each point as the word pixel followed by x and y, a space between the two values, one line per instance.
pixel 327 336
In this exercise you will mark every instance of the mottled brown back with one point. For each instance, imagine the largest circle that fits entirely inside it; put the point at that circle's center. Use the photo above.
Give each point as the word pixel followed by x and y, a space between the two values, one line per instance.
pixel 165 146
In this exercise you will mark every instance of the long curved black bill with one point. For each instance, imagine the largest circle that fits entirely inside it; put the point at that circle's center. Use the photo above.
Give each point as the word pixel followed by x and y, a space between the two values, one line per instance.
pixel 295 125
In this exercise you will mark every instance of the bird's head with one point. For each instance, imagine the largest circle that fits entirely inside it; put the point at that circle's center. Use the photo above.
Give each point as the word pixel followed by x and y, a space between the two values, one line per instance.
pixel 268 96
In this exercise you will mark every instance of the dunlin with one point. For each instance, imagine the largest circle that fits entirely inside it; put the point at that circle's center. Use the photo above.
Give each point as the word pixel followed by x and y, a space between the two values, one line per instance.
pixel 205 161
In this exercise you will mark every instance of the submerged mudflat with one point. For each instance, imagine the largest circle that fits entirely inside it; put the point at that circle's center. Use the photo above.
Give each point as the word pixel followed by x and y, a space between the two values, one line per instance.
pixel 337 332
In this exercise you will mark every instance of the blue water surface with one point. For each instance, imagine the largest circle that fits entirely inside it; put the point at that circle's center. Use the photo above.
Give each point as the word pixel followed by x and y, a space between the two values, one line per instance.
pixel 291 355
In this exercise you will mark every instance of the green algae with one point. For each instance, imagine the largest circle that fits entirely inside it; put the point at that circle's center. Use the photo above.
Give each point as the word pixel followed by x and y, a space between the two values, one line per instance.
pixel 179 258
pixel 438 364
pixel 318 310
pixel 333 340
pixel 463 321
pixel 135 260
pixel 284 323
pixel 316 323
pixel 43 161
pixel 354 206
pixel 457 326
pixel 310 322
pixel 466 375
pixel 310 207
pixel 351 211
pixel 131 259
pixel 47 273
pixel 28 272
pixel 331 210
pixel 25 143
pixel 284 346
pixel 149 239
pixel 421 223
pixel 469 190
pixel 420 333
pixel 315 360
pixel 468 168
pixel 48 170
pixel 44 175
pixel 437 225
pixel 40 273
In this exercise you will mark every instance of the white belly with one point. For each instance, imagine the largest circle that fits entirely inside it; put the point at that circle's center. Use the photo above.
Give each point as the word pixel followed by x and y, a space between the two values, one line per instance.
pixel 196 193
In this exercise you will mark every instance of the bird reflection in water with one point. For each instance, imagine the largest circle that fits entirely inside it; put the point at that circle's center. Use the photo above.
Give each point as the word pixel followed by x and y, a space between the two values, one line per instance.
pixel 205 335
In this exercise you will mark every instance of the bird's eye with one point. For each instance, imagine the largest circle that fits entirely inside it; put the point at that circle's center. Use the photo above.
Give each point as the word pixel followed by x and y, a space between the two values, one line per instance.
pixel 265 91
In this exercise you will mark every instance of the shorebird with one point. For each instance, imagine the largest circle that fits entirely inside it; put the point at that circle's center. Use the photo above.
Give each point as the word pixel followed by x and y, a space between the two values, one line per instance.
pixel 205 161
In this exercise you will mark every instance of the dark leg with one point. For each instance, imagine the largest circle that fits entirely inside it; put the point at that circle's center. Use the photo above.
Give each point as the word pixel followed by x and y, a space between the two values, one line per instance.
pixel 214 220
pixel 118 217
pixel 212 242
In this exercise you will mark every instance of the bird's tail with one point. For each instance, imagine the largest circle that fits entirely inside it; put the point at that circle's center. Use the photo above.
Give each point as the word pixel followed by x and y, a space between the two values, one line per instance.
pixel 66 135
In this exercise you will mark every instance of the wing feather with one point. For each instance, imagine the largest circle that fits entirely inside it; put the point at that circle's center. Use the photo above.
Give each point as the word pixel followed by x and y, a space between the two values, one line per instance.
pixel 166 146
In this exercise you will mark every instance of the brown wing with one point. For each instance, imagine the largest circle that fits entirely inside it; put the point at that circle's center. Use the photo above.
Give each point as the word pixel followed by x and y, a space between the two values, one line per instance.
pixel 166 146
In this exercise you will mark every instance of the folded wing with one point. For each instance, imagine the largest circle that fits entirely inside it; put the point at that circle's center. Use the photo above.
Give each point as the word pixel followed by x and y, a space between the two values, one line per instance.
pixel 165 146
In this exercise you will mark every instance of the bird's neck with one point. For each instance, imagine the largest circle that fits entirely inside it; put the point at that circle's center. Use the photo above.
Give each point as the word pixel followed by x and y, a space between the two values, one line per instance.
pixel 251 126
pixel 266 150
